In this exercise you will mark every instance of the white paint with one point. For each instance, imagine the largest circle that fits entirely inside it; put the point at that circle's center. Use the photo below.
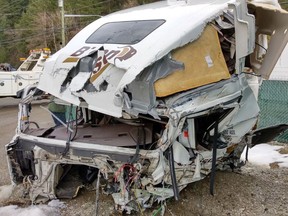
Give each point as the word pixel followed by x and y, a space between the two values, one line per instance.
pixel 180 153
pixel 152 48
pixel 79 81
pixel 280 71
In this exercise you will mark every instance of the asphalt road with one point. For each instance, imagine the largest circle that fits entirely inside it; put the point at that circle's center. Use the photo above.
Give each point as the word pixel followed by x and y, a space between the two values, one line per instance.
pixel 8 124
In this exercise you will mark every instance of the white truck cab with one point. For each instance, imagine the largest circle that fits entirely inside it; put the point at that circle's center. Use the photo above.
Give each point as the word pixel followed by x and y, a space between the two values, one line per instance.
pixel 12 82
pixel 163 98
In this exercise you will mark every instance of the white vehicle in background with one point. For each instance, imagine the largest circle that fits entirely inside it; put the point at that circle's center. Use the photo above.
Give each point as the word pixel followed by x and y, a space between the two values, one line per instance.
pixel 280 71
pixel 12 82
pixel 163 100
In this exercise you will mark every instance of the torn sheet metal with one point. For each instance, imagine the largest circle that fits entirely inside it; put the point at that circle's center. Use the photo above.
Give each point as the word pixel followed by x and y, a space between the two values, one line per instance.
pixel 142 88
pixel 141 54
pixel 104 87
pixel 244 33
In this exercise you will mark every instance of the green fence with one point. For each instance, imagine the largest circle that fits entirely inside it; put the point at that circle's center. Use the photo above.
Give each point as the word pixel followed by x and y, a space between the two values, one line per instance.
pixel 273 102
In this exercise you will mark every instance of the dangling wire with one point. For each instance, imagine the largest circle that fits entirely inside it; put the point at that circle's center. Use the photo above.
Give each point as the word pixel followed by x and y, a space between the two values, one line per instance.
pixel 70 116
pixel 136 155
pixel 76 125
pixel 214 157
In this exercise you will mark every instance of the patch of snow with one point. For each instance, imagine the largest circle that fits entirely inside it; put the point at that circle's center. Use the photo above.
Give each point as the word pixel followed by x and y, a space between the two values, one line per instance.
pixel 51 209
pixel 264 154
pixel 5 192
pixel 56 204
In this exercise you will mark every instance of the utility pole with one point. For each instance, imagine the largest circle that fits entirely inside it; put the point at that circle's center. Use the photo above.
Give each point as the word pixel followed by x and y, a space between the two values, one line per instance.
pixel 63 15
pixel 61 5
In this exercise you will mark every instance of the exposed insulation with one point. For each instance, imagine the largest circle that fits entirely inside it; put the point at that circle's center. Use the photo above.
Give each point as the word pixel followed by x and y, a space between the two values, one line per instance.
pixel 204 64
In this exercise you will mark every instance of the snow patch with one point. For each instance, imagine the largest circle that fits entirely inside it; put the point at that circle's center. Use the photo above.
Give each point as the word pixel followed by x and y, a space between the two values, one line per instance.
pixel 5 192
pixel 264 154
pixel 51 209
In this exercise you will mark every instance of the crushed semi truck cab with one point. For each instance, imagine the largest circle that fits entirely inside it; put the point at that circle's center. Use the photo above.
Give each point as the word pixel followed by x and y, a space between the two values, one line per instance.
pixel 159 96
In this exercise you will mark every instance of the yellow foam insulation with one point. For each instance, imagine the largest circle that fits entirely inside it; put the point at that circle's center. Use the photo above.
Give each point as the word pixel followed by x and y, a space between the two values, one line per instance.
pixel 204 63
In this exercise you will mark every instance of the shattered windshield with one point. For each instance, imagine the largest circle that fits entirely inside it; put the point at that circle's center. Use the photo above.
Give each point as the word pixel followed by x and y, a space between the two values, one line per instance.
pixel 129 32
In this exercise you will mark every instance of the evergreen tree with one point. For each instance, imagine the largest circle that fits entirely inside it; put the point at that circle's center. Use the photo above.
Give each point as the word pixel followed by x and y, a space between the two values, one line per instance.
pixel 11 12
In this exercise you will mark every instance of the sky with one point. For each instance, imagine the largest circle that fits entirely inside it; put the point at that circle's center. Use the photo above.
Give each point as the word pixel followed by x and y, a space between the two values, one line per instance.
pixel 260 155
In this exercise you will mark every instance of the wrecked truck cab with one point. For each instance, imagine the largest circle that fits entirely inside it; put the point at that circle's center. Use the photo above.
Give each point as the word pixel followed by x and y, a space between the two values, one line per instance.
pixel 155 101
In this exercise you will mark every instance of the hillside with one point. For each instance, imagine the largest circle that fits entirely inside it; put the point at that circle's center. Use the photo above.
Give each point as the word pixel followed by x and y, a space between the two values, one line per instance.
pixel 31 24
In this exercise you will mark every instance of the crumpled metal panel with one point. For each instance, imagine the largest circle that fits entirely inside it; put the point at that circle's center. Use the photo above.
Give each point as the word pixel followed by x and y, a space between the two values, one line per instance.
pixel 141 54
pixel 141 90
pixel 244 32
pixel 112 78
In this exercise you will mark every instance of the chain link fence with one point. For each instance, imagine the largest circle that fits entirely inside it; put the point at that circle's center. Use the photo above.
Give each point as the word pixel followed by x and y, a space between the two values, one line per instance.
pixel 273 102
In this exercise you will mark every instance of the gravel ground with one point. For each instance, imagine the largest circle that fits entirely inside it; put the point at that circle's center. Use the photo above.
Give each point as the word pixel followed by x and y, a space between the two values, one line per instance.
pixel 252 191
